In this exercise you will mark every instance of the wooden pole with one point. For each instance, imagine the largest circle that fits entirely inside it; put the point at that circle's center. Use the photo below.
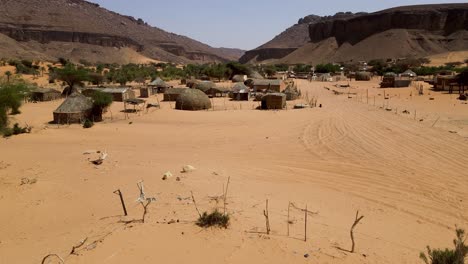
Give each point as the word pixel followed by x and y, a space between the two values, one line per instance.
pixel 119 193
pixel 267 218
pixel 305 227
pixel 289 207
pixel 367 96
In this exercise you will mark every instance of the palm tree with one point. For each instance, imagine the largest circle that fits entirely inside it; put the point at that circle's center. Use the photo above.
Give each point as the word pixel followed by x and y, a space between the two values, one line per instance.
pixel 8 74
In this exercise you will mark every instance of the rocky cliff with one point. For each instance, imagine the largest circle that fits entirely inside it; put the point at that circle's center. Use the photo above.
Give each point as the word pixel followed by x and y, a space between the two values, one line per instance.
pixel 38 24
pixel 403 31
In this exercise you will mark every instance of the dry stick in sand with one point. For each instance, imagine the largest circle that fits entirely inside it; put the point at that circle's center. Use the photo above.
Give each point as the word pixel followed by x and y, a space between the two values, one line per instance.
pixel 356 221
pixel 119 193
pixel 305 226
pixel 267 218
pixel 52 255
pixel 225 195
pixel 195 203
pixel 73 251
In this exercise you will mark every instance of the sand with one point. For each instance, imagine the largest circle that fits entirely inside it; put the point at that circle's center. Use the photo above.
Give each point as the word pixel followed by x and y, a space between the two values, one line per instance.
pixel 407 177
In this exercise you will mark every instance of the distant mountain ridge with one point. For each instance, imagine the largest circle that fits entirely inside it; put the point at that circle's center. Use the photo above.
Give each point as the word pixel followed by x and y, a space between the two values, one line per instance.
pixel 397 32
pixel 47 28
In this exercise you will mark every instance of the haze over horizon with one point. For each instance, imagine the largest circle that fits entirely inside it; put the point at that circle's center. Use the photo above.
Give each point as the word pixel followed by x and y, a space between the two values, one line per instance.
pixel 242 24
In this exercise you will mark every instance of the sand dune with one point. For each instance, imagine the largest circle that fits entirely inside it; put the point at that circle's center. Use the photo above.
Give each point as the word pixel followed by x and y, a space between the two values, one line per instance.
pixel 407 177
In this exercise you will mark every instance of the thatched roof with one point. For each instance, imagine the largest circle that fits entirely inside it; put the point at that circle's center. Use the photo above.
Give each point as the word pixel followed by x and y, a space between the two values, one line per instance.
pixel 204 86
pixel 266 82
pixel 175 90
pixel 159 83
pixel 191 82
pixel 240 87
pixel 291 93
pixel 255 75
pixel 409 73
pixel 75 103
pixel 45 90
pixel 390 74
pixel 193 100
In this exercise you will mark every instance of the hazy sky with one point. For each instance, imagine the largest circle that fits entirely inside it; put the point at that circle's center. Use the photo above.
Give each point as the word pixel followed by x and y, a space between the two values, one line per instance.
pixel 244 24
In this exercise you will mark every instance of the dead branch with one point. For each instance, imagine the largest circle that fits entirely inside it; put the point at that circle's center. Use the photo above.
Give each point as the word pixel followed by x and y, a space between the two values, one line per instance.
pixel 73 251
pixel 356 222
pixel 145 209
pixel 195 203
pixel 289 207
pixel 303 210
pixel 305 225
pixel 52 255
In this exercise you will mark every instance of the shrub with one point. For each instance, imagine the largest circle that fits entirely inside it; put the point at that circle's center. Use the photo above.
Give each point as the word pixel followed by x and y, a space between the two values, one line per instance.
pixel 448 256
pixel 101 101
pixel 88 124
pixel 213 219
pixel 16 130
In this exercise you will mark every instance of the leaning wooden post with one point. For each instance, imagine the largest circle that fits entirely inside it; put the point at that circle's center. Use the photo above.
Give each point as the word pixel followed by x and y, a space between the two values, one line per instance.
pixel 267 218
pixel 367 96
pixel 289 207
pixel 356 221
pixel 305 227
pixel 119 193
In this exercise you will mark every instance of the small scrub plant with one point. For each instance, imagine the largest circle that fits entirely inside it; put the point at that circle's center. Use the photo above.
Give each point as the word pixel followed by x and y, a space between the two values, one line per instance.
pixel 16 130
pixel 101 101
pixel 448 256
pixel 88 124
pixel 213 219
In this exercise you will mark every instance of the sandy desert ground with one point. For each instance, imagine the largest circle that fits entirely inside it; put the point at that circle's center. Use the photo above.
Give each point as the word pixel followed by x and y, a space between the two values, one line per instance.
pixel 407 175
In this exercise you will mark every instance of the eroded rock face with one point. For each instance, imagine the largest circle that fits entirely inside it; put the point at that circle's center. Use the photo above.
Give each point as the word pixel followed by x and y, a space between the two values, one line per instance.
pixel 441 19
pixel 29 33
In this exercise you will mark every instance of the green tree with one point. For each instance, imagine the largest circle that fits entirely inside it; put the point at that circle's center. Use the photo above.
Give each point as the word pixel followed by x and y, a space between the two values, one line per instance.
pixel 101 101
pixel 11 97
pixel 8 75
pixel 72 75
pixel 448 256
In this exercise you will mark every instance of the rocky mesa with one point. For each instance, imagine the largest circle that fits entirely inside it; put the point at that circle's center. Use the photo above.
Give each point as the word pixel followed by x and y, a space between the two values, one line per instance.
pixel 398 32
pixel 78 29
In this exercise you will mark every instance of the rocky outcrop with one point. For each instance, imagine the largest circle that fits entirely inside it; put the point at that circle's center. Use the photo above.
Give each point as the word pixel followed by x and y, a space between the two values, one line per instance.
pixel 441 19
pixel 423 30
pixel 31 33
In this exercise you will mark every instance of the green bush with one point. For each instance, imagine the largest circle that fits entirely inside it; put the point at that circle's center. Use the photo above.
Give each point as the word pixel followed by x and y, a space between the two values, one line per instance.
pixel 213 219
pixel 16 130
pixel 88 124
pixel 448 256
pixel 101 101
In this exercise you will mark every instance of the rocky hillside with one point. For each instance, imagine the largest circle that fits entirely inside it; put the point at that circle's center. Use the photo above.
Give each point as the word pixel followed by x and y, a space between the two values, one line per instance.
pixel 398 32
pixel 72 27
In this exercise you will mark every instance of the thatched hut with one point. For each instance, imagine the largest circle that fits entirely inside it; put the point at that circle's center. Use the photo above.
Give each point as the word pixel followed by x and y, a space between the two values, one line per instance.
pixel 191 83
pixel 240 92
pixel 75 109
pixel 172 94
pixel 255 75
pixel 204 86
pixel 266 85
pixel 239 78
pixel 159 86
pixel 119 94
pixel 363 76
pixel 43 95
pixel 291 93
pixel 193 100
pixel 273 101
pixel 409 74
pixel 217 92
pixel 146 92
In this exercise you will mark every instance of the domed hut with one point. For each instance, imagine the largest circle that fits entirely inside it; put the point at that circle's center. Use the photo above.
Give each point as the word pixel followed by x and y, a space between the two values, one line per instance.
pixel 204 86
pixel 75 109
pixel 363 76
pixel 172 94
pixel 239 78
pixel 274 101
pixel 240 92
pixel 193 100
pixel 191 83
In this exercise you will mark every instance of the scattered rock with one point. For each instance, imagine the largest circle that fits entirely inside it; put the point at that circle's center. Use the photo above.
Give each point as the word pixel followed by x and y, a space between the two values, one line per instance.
pixel 432 98
pixel 177 179
pixel 25 181
pixel 301 106
pixel 167 175
pixel 171 222
pixel 306 255
pixel 187 169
